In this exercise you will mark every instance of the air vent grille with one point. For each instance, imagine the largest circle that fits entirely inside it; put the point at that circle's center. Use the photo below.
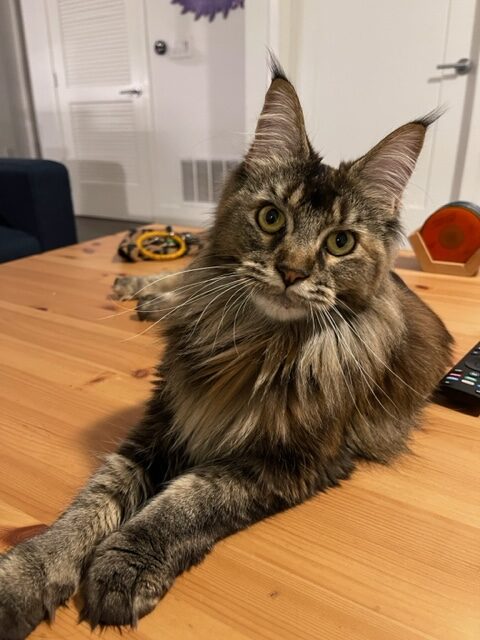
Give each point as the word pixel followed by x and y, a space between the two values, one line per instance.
pixel 202 180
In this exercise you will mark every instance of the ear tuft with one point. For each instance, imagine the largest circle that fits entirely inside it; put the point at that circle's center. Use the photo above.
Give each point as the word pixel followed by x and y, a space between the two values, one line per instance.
pixel 276 68
pixel 431 117
pixel 386 169
pixel 280 131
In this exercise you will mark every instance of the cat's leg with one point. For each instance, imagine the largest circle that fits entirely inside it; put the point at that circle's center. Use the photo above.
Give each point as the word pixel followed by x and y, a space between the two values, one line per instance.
pixel 154 294
pixel 134 287
pixel 42 573
pixel 135 566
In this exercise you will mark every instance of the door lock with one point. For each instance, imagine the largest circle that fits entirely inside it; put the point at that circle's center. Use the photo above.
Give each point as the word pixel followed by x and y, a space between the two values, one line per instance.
pixel 160 47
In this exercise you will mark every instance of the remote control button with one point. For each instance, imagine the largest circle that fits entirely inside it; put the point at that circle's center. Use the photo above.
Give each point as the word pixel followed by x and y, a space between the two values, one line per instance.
pixel 477 391
pixel 470 382
pixel 452 379
pixel 458 370
pixel 473 362
pixel 473 374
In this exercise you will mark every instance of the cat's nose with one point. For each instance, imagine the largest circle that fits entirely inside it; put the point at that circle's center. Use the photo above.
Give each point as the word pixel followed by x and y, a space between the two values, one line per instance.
pixel 291 275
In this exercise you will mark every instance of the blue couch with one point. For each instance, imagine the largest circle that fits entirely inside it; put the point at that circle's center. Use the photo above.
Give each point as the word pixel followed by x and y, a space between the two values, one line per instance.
pixel 36 212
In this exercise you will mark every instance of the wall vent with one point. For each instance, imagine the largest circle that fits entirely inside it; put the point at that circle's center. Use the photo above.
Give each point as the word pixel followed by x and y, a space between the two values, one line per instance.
pixel 202 180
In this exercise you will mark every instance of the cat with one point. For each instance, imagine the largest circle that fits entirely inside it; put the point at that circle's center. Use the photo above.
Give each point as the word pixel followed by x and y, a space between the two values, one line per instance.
pixel 292 351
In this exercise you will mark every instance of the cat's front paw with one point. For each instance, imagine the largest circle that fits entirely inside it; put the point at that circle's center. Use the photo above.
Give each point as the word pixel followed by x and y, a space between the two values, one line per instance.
pixel 123 583
pixel 27 596
pixel 153 307
pixel 126 287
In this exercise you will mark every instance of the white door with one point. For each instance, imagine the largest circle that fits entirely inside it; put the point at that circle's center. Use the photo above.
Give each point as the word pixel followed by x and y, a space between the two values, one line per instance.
pixel 100 62
pixel 364 68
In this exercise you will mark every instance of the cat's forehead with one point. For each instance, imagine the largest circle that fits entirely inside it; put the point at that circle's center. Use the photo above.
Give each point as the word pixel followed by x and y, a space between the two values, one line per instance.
pixel 314 194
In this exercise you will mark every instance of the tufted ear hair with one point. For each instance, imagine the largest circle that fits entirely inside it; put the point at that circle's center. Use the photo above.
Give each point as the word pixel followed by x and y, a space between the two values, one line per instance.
pixel 280 131
pixel 385 170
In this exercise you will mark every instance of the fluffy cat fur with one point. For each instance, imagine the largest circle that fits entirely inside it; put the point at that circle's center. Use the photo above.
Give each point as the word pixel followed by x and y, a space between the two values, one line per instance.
pixel 284 364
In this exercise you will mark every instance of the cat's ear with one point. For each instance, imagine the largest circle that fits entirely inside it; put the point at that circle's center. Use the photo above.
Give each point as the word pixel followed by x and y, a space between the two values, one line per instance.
pixel 280 131
pixel 383 173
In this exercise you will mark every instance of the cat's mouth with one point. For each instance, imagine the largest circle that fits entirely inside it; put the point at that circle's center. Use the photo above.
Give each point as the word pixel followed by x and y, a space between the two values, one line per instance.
pixel 281 306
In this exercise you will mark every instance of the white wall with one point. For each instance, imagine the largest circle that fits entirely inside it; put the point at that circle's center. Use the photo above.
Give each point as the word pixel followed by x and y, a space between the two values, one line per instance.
pixel 198 102
pixel 17 137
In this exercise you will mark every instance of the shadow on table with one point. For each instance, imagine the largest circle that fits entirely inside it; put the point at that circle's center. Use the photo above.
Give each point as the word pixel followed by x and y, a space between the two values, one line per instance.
pixel 105 435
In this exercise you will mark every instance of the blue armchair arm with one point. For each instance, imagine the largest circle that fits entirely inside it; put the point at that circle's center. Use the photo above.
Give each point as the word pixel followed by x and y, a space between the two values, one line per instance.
pixel 35 198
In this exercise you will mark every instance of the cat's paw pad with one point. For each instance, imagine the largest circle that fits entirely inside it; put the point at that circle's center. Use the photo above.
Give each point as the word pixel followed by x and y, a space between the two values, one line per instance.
pixel 122 584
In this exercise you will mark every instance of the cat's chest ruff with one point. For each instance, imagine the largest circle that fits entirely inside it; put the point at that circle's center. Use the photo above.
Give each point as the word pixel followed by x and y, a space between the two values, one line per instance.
pixel 270 385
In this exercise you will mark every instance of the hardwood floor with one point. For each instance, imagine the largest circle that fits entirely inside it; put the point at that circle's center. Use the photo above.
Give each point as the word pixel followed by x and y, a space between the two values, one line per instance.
pixel 393 554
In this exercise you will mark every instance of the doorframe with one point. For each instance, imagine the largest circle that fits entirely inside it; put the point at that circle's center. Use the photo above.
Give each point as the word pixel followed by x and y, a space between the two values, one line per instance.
pixel 42 79
pixel 468 179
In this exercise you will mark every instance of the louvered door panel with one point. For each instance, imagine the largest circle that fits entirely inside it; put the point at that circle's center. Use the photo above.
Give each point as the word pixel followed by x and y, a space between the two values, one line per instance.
pixel 94 41
pixel 104 141
pixel 100 52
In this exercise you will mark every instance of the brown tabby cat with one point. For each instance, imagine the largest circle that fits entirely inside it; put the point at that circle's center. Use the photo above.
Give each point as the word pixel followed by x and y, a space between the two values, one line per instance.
pixel 291 351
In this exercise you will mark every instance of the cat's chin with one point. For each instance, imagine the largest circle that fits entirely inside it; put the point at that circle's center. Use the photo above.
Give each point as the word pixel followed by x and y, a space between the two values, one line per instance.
pixel 279 308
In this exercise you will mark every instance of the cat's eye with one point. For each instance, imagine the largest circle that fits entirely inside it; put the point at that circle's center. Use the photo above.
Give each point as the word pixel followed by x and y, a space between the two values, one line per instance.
pixel 339 243
pixel 270 219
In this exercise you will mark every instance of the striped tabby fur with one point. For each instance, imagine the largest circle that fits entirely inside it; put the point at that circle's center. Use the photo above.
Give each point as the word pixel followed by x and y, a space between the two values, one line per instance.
pixel 266 394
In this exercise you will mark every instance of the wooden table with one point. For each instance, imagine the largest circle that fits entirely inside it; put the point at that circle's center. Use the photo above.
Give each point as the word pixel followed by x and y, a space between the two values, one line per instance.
pixel 393 554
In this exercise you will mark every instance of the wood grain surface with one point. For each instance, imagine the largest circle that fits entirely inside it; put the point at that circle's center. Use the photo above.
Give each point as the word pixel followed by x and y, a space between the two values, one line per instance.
pixel 392 554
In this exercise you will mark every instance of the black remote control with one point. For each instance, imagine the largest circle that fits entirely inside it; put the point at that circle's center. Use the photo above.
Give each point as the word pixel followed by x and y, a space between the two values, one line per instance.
pixel 463 381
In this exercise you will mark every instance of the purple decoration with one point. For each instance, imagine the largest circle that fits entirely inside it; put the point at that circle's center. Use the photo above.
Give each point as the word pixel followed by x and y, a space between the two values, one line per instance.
pixel 209 7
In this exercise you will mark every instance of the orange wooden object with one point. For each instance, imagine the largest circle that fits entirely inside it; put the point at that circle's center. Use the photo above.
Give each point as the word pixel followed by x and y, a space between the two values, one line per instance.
pixel 449 240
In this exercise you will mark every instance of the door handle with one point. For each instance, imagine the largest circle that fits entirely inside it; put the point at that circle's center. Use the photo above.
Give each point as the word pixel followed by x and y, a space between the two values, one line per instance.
pixel 131 92
pixel 462 66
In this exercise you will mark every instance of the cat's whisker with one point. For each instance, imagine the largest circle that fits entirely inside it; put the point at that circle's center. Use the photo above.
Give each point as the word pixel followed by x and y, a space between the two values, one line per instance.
pixel 202 284
pixel 225 309
pixel 213 280
pixel 229 288
pixel 176 273
pixel 339 345
pixel 118 313
pixel 161 295
pixel 311 315
pixel 242 306
pixel 345 360
pixel 348 385
pixel 364 373
pixel 371 350
pixel 193 298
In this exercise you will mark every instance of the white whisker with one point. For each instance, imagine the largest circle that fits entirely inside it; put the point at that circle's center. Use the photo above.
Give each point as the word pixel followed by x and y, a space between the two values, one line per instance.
pixel 182 271
pixel 371 350
pixel 242 306
pixel 195 296
pixel 225 309
pixel 364 373
pixel 229 288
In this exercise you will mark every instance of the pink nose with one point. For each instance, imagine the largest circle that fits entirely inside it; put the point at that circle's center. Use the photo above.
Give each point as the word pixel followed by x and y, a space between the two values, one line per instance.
pixel 290 275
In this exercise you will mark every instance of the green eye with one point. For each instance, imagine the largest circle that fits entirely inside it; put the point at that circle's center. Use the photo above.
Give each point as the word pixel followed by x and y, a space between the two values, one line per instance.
pixel 270 219
pixel 339 243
